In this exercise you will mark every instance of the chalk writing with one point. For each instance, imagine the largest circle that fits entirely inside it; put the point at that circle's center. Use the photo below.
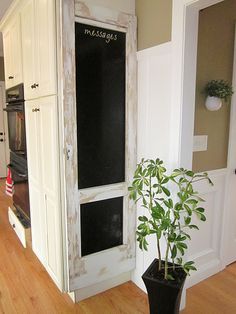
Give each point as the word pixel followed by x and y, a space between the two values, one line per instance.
pixel 108 37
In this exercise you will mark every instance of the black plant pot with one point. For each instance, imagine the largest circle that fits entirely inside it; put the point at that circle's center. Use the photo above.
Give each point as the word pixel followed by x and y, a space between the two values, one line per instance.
pixel 164 295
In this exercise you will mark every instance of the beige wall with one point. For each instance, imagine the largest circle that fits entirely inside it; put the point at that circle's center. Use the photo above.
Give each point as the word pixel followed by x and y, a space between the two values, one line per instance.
pixel 215 61
pixel 1 69
pixel 127 6
pixel 154 22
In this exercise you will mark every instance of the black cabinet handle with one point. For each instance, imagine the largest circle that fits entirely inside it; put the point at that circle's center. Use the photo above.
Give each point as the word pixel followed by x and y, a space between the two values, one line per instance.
pixel 1 133
pixel 1 140
pixel 35 109
pixel 34 85
pixel 10 77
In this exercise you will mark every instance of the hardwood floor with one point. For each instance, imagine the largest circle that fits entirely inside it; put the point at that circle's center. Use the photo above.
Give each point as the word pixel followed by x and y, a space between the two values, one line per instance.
pixel 25 286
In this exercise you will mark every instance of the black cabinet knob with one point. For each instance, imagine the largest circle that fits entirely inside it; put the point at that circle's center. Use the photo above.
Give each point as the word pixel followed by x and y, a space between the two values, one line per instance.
pixel 1 133
pixel 10 77
pixel 1 140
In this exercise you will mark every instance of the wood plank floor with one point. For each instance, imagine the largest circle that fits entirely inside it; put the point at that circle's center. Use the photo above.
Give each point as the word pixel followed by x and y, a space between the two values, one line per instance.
pixel 25 286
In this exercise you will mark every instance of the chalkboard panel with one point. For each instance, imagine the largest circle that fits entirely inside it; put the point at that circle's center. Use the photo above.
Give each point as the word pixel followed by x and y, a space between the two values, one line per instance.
pixel 100 95
pixel 101 225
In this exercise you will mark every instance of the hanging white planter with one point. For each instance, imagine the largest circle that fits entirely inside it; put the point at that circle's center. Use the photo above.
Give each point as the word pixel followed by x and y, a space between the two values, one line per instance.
pixel 213 103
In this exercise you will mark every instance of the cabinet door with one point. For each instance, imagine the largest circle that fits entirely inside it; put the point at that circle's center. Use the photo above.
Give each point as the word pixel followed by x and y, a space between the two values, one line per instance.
pixel 28 49
pixel 12 53
pixel 16 50
pixel 51 185
pixel 46 47
pixel 7 58
pixel 37 204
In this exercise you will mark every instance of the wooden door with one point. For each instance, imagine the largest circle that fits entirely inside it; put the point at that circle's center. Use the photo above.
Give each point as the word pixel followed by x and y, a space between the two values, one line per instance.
pixel 89 265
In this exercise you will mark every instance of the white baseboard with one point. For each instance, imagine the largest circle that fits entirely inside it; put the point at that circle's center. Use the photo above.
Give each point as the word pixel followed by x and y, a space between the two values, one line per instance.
pixel 92 290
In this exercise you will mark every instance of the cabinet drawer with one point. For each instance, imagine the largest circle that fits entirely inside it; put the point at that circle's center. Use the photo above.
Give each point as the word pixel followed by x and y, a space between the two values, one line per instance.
pixel 22 232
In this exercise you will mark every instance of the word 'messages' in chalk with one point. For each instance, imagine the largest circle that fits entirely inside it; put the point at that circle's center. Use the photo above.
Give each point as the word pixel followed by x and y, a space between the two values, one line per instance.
pixel 97 33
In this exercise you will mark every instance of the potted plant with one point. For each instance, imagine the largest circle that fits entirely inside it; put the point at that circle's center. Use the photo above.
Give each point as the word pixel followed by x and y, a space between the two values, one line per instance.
pixel 216 90
pixel 169 202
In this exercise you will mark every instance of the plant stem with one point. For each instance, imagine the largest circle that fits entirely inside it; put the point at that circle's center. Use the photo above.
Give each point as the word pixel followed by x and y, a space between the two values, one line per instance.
pixel 173 262
pixel 166 260
pixel 159 254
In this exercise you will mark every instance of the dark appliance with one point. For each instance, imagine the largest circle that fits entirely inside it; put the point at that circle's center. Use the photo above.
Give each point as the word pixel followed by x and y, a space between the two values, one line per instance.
pixel 16 119
pixel 19 171
pixel 18 155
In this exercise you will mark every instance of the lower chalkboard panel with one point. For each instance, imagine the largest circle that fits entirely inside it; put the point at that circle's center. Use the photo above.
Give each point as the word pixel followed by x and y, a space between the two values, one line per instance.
pixel 101 225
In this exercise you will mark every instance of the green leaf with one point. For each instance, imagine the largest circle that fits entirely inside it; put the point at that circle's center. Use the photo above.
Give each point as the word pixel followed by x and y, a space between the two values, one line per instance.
pixel 203 217
pixel 178 206
pixel 167 204
pixel 181 238
pixel 165 180
pixel 187 220
pixel 188 209
pixel 200 209
pixel 193 227
pixel 190 173
pixel 173 252
pixel 170 277
pixel 142 218
pixel 166 191
pixel 192 201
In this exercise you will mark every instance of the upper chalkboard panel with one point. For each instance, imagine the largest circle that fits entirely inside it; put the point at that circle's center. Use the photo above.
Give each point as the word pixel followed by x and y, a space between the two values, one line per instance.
pixel 100 94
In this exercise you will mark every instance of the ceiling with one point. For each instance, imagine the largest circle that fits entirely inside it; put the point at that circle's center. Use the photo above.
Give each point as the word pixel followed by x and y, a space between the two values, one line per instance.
pixel 4 4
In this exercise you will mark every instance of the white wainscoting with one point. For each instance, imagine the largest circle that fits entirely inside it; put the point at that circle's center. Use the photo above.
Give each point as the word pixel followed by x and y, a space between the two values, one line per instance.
pixel 154 99
pixel 154 133
pixel 205 246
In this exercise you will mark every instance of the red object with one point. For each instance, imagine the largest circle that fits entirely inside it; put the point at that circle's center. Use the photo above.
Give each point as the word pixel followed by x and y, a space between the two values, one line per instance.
pixel 9 184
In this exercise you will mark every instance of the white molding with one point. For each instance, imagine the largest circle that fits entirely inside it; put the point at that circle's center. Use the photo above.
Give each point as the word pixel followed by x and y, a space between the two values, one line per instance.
pixel 154 51
pixel 179 110
pixel 92 290
pixel 228 242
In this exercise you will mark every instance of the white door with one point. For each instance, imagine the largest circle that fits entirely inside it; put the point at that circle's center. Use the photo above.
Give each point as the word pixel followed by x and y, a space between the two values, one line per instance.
pixel 230 203
pixel 28 49
pixel 46 47
pixel 37 212
pixel 3 135
pixel 8 57
pixel 50 186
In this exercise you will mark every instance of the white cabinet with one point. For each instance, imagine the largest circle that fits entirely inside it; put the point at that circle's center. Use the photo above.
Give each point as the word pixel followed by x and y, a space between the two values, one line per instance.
pixel 39 48
pixel 44 183
pixel 12 52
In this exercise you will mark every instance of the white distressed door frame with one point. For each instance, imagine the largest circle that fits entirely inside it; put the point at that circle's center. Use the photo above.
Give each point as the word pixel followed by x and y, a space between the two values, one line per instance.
pixel 79 269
